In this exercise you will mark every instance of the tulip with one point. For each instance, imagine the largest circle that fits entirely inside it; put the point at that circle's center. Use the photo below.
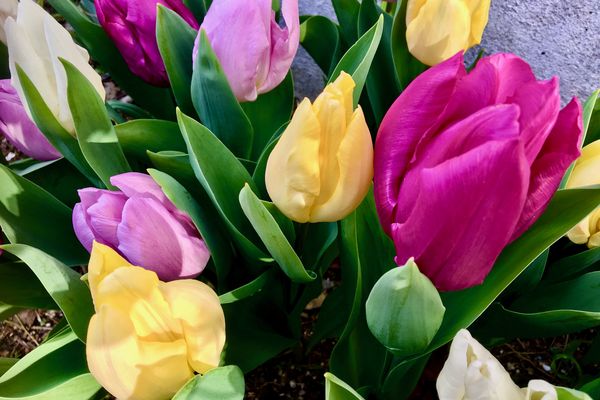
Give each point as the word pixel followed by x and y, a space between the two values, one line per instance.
pixel 131 25
pixel 322 166
pixel 8 8
pixel 143 225
pixel 540 390
pixel 254 51
pixel 465 163
pixel 585 173
pixel 18 128
pixel 148 337
pixel 438 29
pixel 471 372
pixel 35 42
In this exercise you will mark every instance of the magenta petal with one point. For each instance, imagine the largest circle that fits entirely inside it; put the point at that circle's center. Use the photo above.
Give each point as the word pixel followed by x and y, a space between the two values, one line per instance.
pixel 512 73
pixel 135 184
pixel 105 216
pixel 149 236
pixel 464 215
pixel 560 150
pixel 411 115
pixel 81 227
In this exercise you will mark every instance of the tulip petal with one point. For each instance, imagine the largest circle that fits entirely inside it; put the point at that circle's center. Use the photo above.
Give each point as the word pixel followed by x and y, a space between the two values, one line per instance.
pixel 540 390
pixel 130 367
pixel 558 152
pixel 154 239
pixel 103 261
pixel 292 173
pixel 199 311
pixel 81 227
pixel 478 196
pixel 135 184
pixel 105 216
pixel 411 115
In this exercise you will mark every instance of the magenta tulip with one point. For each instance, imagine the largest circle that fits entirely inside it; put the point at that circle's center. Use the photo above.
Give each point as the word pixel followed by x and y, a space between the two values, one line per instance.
pixel 142 225
pixel 254 51
pixel 467 162
pixel 19 129
pixel 131 24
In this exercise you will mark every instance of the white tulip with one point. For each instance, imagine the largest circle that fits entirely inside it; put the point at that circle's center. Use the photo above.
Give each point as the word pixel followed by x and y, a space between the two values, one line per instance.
pixel 473 373
pixel 35 42
pixel 8 8
pixel 540 390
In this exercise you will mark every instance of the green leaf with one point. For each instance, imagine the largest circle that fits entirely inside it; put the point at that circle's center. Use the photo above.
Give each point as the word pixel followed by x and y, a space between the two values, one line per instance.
pixel 95 133
pixel 20 287
pixel 570 394
pixel 402 379
pixel 56 370
pixel 156 100
pixel 7 311
pixel 129 110
pixel 65 286
pixel 269 112
pixel 592 388
pixel 6 364
pixel 216 104
pixel 247 290
pixel 258 176
pixel 273 238
pixel 62 140
pixel 176 41
pixel 321 39
pixel 347 14
pixel 571 266
pixel 223 383
pixel 407 66
pixel 30 215
pixel 591 116
pixel 219 249
pixel 336 389
pixel 357 61
pixel 222 176
pixel 139 136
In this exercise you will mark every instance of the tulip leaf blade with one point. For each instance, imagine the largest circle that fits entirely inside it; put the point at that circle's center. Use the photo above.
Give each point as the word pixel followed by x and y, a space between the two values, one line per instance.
pixel 30 215
pixel 19 287
pixel 95 132
pixel 222 176
pixel 102 49
pixel 249 289
pixel 336 389
pixel 223 383
pixel 357 61
pixel 63 284
pixel 139 136
pixel 591 114
pixel 175 40
pixel 216 104
pixel 320 36
pixel 273 237
pixel 62 140
pixel 346 12
pixel 559 217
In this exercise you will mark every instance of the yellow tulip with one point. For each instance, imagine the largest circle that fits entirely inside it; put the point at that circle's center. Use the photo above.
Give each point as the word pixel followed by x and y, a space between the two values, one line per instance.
pixel 148 338
pixel 322 166
pixel 438 29
pixel 586 173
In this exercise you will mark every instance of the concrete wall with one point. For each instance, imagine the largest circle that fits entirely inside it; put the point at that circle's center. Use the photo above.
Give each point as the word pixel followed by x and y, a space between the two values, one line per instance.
pixel 557 37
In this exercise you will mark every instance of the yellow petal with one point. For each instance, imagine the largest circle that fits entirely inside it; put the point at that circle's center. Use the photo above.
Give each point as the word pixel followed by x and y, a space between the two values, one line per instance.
pixel 103 261
pixel 135 292
pixel 480 11
pixel 292 173
pixel 130 367
pixel 440 30
pixel 587 167
pixel 354 160
pixel 580 233
pixel 196 306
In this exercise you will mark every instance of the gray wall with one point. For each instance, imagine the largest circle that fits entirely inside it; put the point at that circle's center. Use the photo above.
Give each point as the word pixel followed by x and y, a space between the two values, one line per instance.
pixel 557 37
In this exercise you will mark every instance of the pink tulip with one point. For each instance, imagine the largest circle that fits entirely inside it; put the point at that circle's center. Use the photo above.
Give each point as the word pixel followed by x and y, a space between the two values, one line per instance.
pixel 143 225
pixel 254 51
pixel 131 24
pixel 465 163
pixel 19 129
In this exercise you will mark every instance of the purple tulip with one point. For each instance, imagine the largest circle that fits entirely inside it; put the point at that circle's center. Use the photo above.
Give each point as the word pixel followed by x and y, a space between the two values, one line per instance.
pixel 465 163
pixel 19 129
pixel 254 51
pixel 143 225
pixel 131 24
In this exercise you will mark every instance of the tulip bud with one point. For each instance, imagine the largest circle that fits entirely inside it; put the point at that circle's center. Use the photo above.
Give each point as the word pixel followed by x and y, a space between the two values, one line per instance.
pixel 540 390
pixel 131 24
pixel 253 50
pixel 472 372
pixel 148 337
pixel 35 42
pixel 322 166
pixel 143 225
pixel 438 29
pixel 586 172
pixel 396 308
pixel 19 129
pixel 8 8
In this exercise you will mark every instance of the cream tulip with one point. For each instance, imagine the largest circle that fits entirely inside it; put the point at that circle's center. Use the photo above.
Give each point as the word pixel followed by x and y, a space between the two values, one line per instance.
pixel 36 42
pixel 540 390
pixel 322 166
pixel 586 172
pixel 8 8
